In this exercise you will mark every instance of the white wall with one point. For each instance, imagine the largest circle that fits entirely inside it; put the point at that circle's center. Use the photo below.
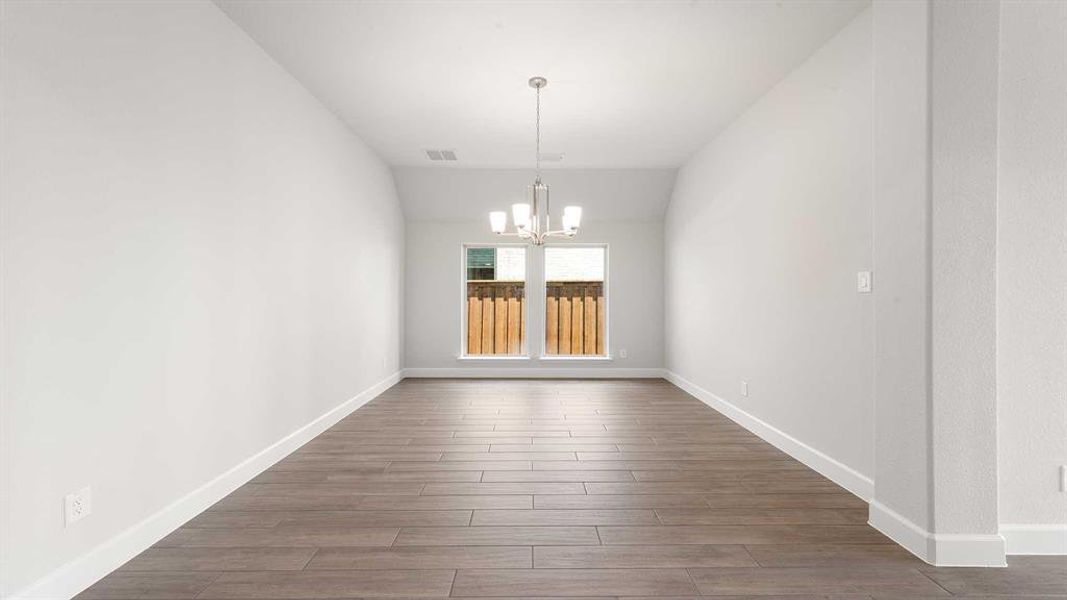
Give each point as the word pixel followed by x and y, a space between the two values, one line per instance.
pixel 901 193
pixel 1032 267
pixel 969 228
pixel 198 259
pixel 448 207
pixel 963 201
pixel 765 232
pixel 434 304
pixel 460 194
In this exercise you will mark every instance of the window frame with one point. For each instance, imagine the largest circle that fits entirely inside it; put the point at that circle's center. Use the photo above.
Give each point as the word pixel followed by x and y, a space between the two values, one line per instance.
pixel 464 316
pixel 607 356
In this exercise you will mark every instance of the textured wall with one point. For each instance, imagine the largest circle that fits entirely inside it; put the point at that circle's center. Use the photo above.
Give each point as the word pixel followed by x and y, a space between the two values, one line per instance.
pixel 963 265
pixel 1032 262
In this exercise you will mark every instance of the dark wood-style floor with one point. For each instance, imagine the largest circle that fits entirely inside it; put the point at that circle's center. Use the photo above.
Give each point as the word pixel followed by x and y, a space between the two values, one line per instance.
pixel 450 488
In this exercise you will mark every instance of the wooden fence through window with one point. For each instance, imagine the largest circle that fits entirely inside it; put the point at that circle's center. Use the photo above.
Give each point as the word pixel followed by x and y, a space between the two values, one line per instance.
pixel 575 320
pixel 496 317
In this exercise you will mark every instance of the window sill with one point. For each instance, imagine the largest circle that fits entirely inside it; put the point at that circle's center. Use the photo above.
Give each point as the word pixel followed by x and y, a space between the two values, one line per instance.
pixel 491 357
pixel 556 357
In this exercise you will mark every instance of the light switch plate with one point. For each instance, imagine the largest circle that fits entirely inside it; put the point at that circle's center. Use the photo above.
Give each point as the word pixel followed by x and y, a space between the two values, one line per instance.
pixel 863 282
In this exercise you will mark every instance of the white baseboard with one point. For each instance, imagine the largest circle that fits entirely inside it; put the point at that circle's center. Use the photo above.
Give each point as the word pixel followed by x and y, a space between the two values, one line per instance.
pixel 942 550
pixel 966 550
pixel 79 574
pixel 841 474
pixel 903 531
pixel 937 549
pixel 1035 539
pixel 534 373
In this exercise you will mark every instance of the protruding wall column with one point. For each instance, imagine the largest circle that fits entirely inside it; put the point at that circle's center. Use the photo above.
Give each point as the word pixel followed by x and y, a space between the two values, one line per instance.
pixel 935 152
pixel 965 65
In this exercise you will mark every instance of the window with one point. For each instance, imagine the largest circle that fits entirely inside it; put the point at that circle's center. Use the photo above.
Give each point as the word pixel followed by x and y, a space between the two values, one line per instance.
pixel 575 301
pixel 495 315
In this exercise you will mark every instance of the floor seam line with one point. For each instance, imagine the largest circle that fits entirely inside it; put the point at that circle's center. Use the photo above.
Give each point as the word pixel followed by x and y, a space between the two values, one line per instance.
pixel 935 582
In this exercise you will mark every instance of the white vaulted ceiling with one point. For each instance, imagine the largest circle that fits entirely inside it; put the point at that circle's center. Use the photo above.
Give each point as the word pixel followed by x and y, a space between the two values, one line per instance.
pixel 632 84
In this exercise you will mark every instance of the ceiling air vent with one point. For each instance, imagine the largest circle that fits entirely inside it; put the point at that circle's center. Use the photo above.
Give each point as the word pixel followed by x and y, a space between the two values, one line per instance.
pixel 438 155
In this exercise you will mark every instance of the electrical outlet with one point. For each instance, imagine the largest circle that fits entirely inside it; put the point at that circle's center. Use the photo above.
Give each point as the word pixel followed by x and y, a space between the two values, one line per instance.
pixel 1063 478
pixel 623 353
pixel 78 505
pixel 744 389
pixel 385 363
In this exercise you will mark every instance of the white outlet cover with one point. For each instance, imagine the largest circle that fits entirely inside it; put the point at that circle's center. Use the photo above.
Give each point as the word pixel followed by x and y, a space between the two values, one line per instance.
pixel 744 388
pixel 78 505
pixel 622 353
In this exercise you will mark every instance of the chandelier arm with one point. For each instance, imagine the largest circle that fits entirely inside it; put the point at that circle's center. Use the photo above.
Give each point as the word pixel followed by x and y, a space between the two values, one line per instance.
pixel 561 232
pixel 520 233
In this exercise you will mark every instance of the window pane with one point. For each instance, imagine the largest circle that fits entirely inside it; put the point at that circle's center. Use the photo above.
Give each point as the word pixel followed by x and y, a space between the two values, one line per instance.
pixel 511 264
pixel 575 306
pixel 495 313
pixel 481 263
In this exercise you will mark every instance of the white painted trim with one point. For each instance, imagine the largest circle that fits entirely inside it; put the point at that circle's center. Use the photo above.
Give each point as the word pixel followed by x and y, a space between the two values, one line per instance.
pixel 79 574
pixel 966 550
pixel 589 372
pixel 841 474
pixel 903 531
pixel 1035 539
pixel 942 550
pixel 575 358
pixel 938 549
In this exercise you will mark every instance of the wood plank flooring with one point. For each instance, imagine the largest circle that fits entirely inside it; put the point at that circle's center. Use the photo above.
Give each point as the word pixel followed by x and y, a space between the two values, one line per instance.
pixel 562 489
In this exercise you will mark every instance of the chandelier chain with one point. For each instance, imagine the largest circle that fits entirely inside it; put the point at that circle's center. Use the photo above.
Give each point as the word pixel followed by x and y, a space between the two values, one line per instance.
pixel 537 158
pixel 533 220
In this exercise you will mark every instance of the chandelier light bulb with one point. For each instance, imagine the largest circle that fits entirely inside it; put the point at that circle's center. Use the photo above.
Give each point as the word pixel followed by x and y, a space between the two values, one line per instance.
pixel 521 214
pixel 572 218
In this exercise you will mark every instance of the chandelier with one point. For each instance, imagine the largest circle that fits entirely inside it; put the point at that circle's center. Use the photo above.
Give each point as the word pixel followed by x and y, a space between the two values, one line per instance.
pixel 532 221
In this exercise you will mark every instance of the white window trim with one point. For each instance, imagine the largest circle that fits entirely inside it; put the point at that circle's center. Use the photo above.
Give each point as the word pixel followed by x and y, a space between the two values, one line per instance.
pixel 606 357
pixel 491 357
pixel 576 358
pixel 463 356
